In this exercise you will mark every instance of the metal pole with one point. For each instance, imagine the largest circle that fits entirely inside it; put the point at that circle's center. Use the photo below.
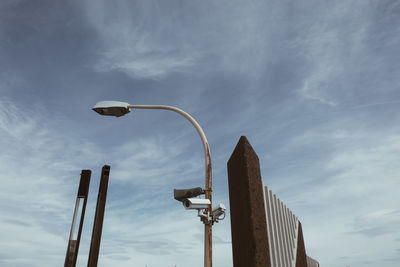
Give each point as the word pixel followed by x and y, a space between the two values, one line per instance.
pixel 99 217
pixel 74 238
pixel 208 176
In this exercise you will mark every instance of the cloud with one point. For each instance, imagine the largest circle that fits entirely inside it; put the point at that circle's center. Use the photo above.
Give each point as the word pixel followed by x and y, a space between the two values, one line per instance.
pixel 152 39
pixel 218 241
pixel 377 223
pixel 29 241
pixel 37 167
pixel 51 165
pixel 138 65
pixel 347 51
pixel 142 218
pixel 155 161
pixel 347 199
pixel 314 85
pixel 332 46
pixel 143 237
pixel 132 42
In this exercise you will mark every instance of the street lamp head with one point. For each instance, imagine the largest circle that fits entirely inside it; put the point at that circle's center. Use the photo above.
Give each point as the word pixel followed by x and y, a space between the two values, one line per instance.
pixel 111 108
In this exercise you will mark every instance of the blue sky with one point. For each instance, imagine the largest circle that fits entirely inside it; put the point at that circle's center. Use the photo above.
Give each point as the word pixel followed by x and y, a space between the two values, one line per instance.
pixel 313 85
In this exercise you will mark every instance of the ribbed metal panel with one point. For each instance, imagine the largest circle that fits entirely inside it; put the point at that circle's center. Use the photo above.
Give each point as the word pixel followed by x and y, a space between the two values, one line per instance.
pixel 277 234
pixel 282 234
pixel 287 237
pixel 311 262
pixel 282 227
pixel 271 233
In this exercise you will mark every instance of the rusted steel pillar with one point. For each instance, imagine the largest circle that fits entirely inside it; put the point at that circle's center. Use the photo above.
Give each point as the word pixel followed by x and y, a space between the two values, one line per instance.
pixel 301 258
pixel 98 218
pixel 248 221
pixel 208 226
pixel 80 207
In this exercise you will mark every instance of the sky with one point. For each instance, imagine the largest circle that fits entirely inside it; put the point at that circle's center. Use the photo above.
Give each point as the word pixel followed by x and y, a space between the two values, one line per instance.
pixel 313 85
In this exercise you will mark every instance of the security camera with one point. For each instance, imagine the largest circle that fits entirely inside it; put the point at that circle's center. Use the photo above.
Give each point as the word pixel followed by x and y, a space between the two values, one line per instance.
pixel 196 203
pixel 218 212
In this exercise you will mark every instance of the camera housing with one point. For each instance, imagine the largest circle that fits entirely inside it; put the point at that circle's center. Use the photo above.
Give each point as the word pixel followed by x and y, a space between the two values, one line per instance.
pixel 196 203
pixel 218 212
pixel 182 194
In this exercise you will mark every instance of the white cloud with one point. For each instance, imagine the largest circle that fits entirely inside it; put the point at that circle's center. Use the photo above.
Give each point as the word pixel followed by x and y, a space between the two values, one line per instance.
pixel 334 46
pixel 346 197
pixel 39 168
pixel 39 172
pixel 151 161
pixel 138 65
pixel 377 223
pixel 133 43
pixel 338 175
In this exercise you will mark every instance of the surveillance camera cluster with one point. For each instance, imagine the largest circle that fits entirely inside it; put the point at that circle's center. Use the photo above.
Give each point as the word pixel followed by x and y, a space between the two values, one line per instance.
pixel 190 202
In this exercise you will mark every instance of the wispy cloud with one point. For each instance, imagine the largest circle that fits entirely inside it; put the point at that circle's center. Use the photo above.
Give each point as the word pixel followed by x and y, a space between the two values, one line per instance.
pixel 332 47
pixel 377 223
pixel 36 180
pixel 142 65
pixel 314 85
pixel 132 42
pixel 349 199
pixel 140 196
pixel 141 161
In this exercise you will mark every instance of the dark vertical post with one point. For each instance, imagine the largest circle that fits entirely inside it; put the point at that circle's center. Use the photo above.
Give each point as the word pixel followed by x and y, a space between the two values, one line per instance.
pixel 248 220
pixel 98 218
pixel 74 239
pixel 301 257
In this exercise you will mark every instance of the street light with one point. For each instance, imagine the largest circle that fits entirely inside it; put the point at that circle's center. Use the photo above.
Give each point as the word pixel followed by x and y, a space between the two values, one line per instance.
pixel 118 109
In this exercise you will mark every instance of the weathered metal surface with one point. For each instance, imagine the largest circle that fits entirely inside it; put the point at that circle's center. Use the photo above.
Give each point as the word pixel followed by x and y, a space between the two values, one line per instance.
pixel 312 262
pixel 84 183
pixel 208 226
pixel 73 245
pixel 99 217
pixel 282 244
pixel 248 221
pixel 69 259
pixel 301 258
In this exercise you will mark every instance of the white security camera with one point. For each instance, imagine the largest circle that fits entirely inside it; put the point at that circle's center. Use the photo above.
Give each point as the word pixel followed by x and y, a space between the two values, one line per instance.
pixel 218 212
pixel 196 203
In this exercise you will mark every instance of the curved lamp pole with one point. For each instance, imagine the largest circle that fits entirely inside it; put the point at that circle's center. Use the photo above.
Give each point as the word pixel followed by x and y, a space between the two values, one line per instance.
pixel 118 109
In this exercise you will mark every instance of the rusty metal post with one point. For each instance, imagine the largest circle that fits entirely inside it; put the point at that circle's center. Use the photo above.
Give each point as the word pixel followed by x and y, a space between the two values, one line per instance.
pixel 208 226
pixel 98 218
pixel 75 237
pixel 250 246
pixel 301 256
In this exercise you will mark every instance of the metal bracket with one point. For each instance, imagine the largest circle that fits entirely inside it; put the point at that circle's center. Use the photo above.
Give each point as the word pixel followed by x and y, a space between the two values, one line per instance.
pixel 205 217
